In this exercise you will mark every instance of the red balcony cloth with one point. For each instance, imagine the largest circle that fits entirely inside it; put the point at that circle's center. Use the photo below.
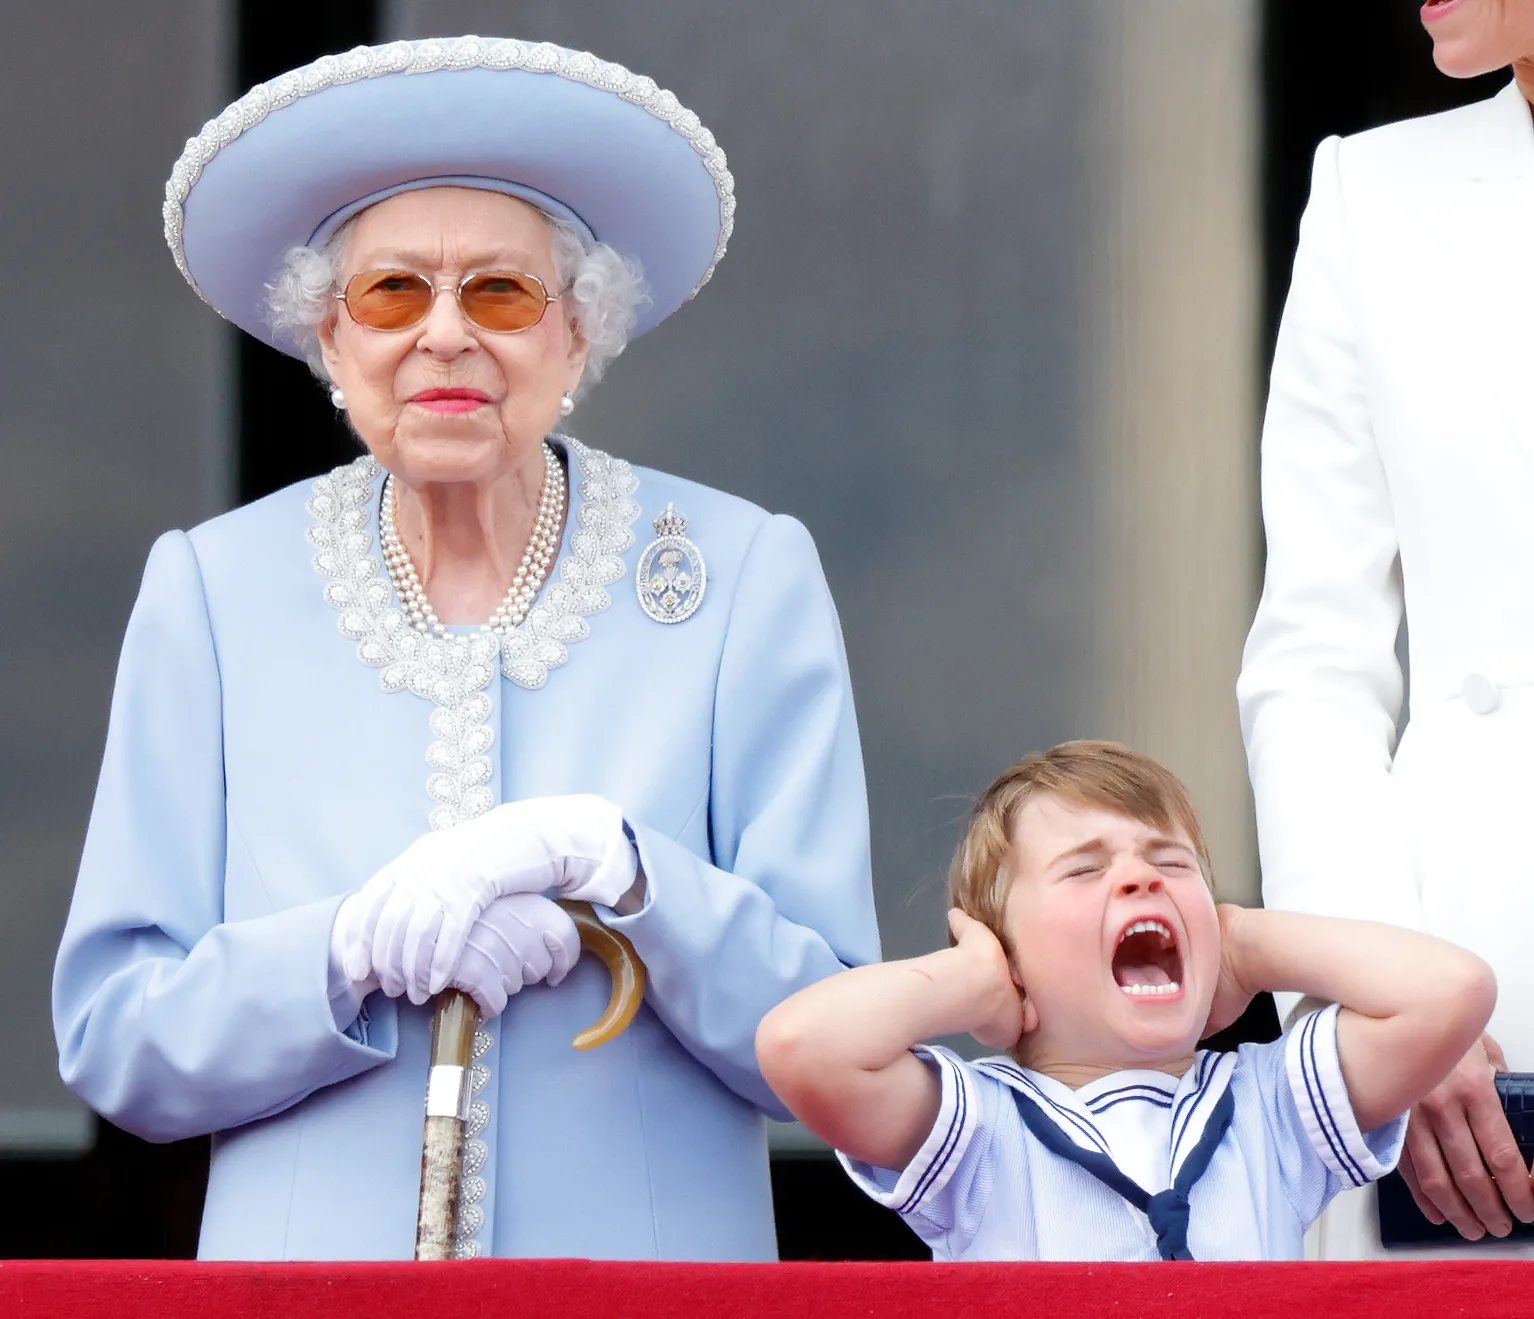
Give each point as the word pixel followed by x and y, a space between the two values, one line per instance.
pixel 573 1289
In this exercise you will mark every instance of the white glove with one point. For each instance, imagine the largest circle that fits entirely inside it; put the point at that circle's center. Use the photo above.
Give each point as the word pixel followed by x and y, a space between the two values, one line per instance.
pixel 346 994
pixel 520 940
pixel 414 915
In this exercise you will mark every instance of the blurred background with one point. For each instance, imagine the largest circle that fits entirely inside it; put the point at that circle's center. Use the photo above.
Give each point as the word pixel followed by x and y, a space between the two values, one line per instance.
pixel 994 324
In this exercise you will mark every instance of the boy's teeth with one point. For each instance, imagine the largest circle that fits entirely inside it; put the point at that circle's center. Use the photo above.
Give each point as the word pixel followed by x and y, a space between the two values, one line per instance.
pixel 1146 927
pixel 1171 987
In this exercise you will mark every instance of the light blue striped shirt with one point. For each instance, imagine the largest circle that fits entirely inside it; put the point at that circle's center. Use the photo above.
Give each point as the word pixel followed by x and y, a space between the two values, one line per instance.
pixel 982 1187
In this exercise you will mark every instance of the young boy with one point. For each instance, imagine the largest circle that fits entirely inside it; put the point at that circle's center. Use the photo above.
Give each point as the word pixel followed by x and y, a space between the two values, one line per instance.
pixel 1086 942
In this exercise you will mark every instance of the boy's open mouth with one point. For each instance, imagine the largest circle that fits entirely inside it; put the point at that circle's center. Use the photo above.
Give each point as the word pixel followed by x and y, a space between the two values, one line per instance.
pixel 1146 960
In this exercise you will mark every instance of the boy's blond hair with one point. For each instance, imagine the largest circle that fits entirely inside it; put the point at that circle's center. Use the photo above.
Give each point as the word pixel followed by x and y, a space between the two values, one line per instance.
pixel 1101 774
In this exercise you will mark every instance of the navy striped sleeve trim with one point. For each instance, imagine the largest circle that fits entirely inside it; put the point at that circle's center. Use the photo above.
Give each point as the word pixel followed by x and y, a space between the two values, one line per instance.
pixel 1321 1096
pixel 934 1163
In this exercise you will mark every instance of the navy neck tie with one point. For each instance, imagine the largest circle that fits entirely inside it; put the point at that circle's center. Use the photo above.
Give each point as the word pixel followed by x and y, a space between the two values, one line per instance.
pixel 1167 1210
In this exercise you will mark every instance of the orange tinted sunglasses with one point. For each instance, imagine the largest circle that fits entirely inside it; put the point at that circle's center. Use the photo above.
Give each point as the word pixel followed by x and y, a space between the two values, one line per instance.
pixel 502 301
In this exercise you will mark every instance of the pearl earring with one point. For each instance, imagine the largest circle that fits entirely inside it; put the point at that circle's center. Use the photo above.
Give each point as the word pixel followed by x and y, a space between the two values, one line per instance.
pixel 338 398
pixel 566 405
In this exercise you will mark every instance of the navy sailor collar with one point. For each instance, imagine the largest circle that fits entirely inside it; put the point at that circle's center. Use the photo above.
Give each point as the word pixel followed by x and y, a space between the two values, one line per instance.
pixel 1191 1098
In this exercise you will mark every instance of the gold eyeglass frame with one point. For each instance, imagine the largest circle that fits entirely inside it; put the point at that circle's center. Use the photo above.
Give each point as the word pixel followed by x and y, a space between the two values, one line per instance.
pixel 455 289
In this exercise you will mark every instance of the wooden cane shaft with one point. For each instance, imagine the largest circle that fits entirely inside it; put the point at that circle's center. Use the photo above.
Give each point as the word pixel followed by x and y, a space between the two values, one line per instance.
pixel 452 1054
pixel 441 1177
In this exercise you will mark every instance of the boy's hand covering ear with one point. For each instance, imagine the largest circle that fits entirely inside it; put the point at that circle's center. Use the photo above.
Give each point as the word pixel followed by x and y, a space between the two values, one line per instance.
pixel 998 1003
pixel 1231 995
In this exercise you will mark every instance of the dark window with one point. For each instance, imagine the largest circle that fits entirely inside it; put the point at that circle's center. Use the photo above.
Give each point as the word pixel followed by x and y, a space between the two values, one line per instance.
pixel 288 429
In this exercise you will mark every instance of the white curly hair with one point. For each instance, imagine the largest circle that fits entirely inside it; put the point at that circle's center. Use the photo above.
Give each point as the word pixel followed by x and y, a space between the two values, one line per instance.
pixel 602 290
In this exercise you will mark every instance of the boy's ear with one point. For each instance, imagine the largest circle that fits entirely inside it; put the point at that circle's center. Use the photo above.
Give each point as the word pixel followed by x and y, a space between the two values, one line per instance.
pixel 1030 1013
pixel 1030 1017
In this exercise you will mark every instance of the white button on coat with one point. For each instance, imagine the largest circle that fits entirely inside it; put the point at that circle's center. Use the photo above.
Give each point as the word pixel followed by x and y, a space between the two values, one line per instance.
pixel 1480 693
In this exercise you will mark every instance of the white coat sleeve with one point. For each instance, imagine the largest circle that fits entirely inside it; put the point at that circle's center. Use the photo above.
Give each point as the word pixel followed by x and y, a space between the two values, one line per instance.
pixel 170 1021
pixel 786 898
pixel 1320 687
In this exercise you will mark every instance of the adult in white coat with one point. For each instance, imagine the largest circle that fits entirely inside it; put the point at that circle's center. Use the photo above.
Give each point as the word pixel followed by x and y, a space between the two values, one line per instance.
pixel 1398 484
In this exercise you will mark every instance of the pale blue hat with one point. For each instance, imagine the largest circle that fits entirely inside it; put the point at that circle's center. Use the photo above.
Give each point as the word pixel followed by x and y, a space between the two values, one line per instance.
pixel 586 140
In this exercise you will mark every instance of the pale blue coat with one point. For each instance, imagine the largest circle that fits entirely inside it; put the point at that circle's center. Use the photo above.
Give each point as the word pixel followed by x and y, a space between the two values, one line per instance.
pixel 257 769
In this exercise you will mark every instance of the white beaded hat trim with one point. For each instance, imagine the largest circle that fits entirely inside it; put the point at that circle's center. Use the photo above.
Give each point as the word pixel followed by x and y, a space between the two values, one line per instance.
pixel 433 55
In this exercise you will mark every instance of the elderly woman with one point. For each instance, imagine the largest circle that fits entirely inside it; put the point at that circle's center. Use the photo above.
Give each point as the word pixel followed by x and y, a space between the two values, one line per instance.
pixel 1397 479
pixel 364 733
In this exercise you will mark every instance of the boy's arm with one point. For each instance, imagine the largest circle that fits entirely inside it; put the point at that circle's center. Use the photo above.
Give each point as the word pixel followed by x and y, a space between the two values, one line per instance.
pixel 838 1053
pixel 1411 1004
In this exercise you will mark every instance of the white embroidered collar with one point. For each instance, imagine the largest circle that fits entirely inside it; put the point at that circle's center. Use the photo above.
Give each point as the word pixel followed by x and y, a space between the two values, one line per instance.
pixel 453 672
pixel 370 612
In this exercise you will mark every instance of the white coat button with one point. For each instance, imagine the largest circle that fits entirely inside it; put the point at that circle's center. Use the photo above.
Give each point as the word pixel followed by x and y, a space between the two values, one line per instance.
pixel 1480 693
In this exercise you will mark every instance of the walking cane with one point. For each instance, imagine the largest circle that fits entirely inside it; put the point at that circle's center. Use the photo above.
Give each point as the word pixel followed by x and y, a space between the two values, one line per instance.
pixel 447 1087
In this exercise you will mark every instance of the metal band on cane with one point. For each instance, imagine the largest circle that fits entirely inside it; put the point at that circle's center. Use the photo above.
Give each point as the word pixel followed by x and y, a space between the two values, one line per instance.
pixel 447 1091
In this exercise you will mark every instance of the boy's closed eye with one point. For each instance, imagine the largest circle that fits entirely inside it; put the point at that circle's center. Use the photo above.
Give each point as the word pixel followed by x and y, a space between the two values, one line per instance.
pixel 1181 864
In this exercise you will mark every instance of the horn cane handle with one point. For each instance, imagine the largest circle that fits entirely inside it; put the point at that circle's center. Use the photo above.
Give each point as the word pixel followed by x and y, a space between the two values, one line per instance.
pixel 622 962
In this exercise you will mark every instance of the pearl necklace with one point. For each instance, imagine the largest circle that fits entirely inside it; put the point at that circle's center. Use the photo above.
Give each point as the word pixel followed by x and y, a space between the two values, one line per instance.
pixel 537 559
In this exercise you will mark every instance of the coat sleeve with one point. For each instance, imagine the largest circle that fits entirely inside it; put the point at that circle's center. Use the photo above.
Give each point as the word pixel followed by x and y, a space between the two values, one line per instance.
pixel 1321 686
pixel 170 1021
pixel 788 899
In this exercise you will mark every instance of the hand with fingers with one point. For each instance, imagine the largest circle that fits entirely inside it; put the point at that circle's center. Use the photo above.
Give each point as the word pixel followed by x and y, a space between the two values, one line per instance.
pixel 1232 995
pixel 519 940
pixel 995 1001
pixel 409 925
pixel 1461 1161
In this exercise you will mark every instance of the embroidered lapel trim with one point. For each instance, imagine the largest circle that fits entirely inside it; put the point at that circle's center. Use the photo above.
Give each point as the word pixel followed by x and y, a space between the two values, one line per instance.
pixel 607 514
pixel 453 673
pixel 1192 1103
pixel 370 614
